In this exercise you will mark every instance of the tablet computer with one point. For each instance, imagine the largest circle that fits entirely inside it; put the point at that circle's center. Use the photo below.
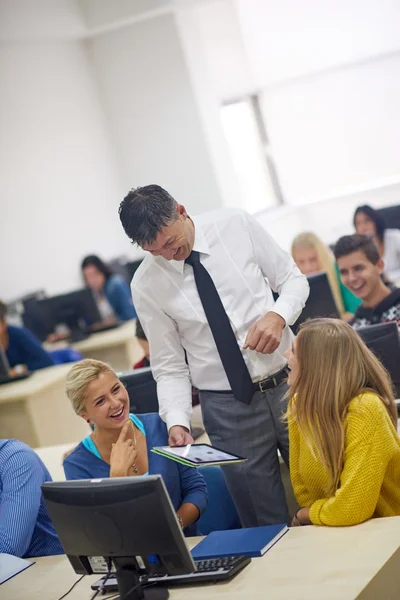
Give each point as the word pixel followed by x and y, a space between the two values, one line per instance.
pixel 198 455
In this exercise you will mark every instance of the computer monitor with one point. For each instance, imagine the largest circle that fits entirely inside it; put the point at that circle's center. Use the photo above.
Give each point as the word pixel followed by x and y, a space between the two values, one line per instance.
pixel 129 521
pixel 320 302
pixel 37 318
pixel 384 341
pixel 77 310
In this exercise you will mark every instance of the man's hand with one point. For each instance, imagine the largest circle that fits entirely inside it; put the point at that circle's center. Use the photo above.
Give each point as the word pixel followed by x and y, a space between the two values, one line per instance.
pixel 265 335
pixel 179 436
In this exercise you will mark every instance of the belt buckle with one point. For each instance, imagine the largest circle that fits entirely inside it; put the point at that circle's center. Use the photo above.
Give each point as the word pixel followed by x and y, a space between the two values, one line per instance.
pixel 260 383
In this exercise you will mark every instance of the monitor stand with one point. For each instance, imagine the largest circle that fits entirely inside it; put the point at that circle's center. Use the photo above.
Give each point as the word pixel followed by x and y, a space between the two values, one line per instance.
pixel 130 587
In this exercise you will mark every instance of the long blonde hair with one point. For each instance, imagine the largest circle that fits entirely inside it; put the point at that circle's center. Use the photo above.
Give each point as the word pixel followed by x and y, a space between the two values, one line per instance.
pixel 335 366
pixel 78 379
pixel 310 241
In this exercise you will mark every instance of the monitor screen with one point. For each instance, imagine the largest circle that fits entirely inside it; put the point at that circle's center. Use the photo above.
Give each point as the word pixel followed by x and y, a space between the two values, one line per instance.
pixel 320 302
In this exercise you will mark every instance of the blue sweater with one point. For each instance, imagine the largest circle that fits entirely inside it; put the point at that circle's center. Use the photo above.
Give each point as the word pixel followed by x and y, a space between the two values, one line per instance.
pixel 25 349
pixel 184 484
pixel 25 525
pixel 119 297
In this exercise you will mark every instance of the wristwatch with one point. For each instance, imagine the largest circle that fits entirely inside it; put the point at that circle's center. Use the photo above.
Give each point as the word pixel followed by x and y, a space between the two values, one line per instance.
pixel 180 521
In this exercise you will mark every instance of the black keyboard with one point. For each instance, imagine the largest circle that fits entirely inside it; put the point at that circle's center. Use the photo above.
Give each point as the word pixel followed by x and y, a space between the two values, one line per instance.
pixel 212 570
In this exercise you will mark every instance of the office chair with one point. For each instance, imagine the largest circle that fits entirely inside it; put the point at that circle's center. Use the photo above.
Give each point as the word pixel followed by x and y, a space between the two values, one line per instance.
pixel 142 390
pixel 384 341
pixel 65 355
pixel 320 302
pixel 221 511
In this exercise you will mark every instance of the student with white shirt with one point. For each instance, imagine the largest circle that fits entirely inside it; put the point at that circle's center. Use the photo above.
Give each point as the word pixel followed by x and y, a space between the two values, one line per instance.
pixel 204 298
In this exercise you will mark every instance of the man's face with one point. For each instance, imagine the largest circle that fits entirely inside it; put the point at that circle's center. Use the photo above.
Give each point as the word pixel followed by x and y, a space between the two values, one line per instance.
pixel 359 274
pixel 175 241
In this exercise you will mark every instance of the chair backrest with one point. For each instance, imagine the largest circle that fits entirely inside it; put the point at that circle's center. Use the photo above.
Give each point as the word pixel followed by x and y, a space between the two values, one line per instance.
pixel 142 390
pixel 320 302
pixel 221 511
pixel 384 341
pixel 391 216
pixel 65 355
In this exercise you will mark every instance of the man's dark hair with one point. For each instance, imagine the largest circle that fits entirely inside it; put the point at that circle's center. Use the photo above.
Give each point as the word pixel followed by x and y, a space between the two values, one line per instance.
pixel 3 310
pixel 94 261
pixel 140 334
pixel 375 217
pixel 356 243
pixel 145 211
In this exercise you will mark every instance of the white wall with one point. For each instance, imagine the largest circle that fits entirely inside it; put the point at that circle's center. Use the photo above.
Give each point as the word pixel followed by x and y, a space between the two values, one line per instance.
pixel 152 112
pixel 60 184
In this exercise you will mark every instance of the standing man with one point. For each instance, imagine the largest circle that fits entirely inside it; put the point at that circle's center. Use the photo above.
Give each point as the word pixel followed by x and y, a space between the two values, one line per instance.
pixel 204 298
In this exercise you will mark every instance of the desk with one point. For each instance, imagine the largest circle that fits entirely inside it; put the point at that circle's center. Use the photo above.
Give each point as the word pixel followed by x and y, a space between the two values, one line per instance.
pixel 118 347
pixel 309 563
pixel 37 411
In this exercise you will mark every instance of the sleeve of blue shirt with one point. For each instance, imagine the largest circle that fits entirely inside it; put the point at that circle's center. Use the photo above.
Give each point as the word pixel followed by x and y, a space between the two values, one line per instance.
pixel 25 348
pixel 194 488
pixel 120 298
pixel 21 479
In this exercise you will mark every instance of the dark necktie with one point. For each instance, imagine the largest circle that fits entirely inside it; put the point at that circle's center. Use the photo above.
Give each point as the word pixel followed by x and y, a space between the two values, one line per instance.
pixel 225 340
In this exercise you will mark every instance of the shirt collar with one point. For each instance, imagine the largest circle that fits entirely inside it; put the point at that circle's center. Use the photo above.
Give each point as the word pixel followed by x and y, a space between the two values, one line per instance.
pixel 200 245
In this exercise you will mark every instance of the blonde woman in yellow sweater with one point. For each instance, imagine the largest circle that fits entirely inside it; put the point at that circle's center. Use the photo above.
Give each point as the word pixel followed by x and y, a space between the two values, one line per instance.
pixel 343 441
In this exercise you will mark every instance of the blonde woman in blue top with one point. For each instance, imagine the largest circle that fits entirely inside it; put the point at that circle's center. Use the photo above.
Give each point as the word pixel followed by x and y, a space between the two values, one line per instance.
pixel 121 443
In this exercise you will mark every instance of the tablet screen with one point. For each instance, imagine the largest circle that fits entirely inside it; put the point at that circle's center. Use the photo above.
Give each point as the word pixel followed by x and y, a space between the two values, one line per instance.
pixel 200 453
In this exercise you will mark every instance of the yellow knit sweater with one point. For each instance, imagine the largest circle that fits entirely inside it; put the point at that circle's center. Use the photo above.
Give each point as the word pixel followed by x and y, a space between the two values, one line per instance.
pixel 370 480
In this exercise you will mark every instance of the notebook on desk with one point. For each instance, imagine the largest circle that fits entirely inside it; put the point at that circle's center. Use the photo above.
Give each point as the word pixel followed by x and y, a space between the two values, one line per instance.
pixel 12 565
pixel 251 541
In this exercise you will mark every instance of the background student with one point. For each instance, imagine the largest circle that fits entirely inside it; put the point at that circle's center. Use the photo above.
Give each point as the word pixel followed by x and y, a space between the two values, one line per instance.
pixel 21 345
pixel 367 221
pixel 344 446
pixel 361 271
pixel 121 443
pixel 111 291
pixel 312 256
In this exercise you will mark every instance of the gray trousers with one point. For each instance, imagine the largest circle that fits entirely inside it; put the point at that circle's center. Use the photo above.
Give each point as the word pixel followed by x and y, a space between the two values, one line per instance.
pixel 254 431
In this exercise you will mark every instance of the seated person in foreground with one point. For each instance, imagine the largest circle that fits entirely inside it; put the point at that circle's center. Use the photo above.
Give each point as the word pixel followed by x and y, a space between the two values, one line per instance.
pixel 361 269
pixel 312 256
pixel 25 526
pixel 112 293
pixel 21 345
pixel 343 442
pixel 121 443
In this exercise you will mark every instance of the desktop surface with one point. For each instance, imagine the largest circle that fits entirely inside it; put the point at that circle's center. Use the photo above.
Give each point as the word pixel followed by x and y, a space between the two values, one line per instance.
pixel 309 563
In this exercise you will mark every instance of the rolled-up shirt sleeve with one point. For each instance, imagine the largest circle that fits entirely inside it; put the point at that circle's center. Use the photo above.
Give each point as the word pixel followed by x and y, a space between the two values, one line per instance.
pixel 167 358
pixel 280 270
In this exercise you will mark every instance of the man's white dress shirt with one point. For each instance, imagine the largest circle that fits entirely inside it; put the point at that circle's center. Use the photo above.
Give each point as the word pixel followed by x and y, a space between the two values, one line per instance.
pixel 245 264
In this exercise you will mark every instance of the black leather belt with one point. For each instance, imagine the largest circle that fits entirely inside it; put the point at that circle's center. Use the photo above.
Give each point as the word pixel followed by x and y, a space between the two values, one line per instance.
pixel 265 384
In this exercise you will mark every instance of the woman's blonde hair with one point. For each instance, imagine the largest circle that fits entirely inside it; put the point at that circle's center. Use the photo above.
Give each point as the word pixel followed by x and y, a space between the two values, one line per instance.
pixel 335 366
pixel 78 379
pixel 310 241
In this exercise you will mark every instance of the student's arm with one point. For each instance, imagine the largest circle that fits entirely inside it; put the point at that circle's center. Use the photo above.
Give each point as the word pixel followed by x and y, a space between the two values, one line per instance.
pixel 120 299
pixel 280 270
pixel 300 490
pixel 167 359
pixel 32 354
pixel 194 493
pixel 369 448
pixel 21 478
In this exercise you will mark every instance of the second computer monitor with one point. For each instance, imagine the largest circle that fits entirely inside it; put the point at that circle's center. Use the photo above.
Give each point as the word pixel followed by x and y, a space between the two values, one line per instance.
pixel 320 302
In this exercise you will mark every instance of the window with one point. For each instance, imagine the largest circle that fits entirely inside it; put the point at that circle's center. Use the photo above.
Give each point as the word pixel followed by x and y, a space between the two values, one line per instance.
pixel 250 153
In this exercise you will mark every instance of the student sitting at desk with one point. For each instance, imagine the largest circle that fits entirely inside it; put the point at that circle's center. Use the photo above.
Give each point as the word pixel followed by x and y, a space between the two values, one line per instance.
pixel 344 446
pixel 121 443
pixel 112 293
pixel 25 526
pixel 21 346
pixel 361 271
pixel 312 256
